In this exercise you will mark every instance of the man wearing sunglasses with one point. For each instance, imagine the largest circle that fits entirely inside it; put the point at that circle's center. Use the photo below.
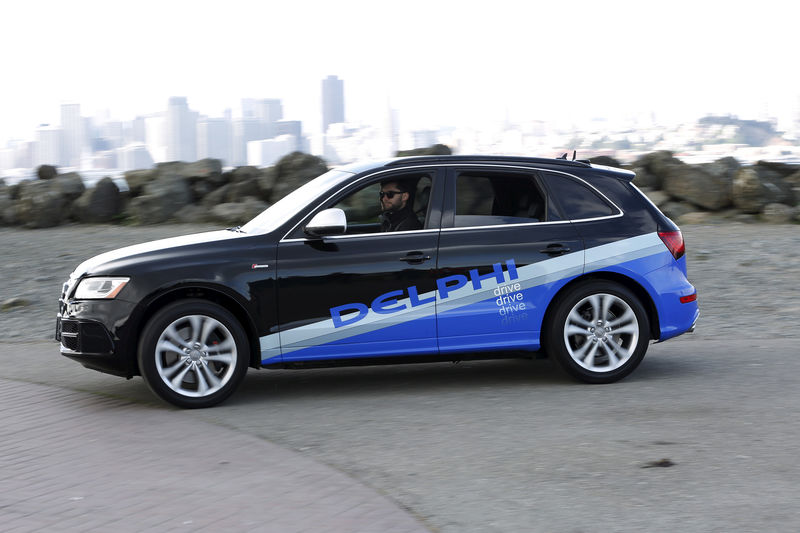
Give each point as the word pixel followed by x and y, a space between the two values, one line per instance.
pixel 397 213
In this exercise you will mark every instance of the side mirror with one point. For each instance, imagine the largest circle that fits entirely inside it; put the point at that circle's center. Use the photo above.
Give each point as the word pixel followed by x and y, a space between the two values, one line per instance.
pixel 328 222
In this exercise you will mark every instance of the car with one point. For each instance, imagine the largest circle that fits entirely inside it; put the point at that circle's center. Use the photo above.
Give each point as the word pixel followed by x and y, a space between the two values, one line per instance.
pixel 496 256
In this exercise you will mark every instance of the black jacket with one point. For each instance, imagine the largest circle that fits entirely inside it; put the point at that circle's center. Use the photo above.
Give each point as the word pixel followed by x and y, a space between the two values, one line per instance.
pixel 402 220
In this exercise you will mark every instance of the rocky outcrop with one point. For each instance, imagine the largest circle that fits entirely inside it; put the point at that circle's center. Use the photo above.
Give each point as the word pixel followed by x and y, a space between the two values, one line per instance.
pixel 725 187
pixel 203 192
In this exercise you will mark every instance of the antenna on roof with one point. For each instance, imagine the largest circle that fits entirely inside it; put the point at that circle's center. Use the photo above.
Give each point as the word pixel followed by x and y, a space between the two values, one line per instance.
pixel 563 156
pixel 574 154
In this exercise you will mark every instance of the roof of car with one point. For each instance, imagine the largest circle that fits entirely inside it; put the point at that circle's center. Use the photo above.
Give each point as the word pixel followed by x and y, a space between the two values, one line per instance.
pixel 504 159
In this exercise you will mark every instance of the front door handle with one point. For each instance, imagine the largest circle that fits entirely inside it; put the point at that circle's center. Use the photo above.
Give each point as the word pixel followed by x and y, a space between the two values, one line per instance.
pixel 555 249
pixel 415 258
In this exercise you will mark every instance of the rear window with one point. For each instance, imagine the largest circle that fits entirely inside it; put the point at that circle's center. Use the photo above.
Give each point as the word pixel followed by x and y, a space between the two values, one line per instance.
pixel 577 200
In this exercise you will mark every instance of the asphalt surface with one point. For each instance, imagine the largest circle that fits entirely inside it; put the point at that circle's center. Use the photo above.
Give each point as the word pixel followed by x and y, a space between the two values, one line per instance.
pixel 701 437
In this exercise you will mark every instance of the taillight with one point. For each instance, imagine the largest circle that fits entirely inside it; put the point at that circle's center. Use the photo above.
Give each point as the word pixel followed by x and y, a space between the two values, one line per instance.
pixel 674 242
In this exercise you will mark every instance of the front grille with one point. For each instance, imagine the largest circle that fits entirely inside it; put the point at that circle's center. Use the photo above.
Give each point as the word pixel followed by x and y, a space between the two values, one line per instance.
pixel 85 337
pixel 69 326
pixel 70 343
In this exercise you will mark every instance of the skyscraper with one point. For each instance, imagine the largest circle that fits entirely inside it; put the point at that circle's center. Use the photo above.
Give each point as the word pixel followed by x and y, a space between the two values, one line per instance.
pixel 332 102
pixel 181 125
pixel 72 138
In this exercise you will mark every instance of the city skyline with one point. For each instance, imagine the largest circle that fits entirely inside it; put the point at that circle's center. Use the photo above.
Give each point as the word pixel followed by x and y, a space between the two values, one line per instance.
pixel 447 63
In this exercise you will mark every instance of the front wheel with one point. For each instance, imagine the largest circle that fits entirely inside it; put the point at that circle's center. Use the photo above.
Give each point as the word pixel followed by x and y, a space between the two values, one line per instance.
pixel 598 332
pixel 193 353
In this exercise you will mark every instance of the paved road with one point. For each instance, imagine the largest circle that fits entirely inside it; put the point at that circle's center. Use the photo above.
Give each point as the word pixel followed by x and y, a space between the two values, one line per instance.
pixel 508 445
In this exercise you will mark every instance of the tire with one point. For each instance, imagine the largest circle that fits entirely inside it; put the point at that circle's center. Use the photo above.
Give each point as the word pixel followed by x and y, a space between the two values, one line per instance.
pixel 598 332
pixel 193 353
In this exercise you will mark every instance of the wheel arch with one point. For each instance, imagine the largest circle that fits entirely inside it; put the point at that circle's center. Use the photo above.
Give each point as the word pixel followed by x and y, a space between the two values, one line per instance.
pixel 629 283
pixel 201 292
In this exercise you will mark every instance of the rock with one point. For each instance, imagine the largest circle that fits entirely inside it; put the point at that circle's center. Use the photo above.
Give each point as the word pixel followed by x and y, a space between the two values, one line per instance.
pixel 696 217
pixel 643 178
pixel 658 197
pixel 725 168
pixel 781 169
pixel 217 196
pixel 246 173
pixel 235 214
pixel 69 185
pixel 239 190
pixel 294 170
pixel 205 168
pixel 101 203
pixel 266 181
pixel 675 210
pixel 14 303
pixel 192 214
pixel 436 149
pixel 657 163
pixel 8 209
pixel 778 214
pixel 137 179
pixel 752 190
pixel 605 161
pixel 46 172
pixel 40 205
pixel 161 198
pixel 694 184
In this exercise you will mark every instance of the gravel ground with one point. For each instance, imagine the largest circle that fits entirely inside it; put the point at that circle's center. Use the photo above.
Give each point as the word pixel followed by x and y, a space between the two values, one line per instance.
pixel 747 276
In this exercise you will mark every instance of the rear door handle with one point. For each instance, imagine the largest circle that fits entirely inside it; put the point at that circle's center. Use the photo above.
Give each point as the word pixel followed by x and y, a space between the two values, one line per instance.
pixel 555 249
pixel 415 258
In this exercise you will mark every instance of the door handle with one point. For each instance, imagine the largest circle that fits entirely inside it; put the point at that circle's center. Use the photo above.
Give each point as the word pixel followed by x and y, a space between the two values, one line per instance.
pixel 415 258
pixel 555 249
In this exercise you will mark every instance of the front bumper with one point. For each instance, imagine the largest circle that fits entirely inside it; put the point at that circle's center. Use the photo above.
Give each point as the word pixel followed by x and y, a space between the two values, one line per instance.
pixel 93 333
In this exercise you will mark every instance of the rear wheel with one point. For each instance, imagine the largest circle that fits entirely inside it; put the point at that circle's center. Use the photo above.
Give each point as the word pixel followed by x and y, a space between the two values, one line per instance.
pixel 598 332
pixel 193 353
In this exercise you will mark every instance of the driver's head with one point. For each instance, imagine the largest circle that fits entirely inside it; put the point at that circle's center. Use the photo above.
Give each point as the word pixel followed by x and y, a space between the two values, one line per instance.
pixel 393 196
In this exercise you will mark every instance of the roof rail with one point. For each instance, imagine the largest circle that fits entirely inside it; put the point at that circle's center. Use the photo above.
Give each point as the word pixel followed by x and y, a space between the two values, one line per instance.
pixel 487 158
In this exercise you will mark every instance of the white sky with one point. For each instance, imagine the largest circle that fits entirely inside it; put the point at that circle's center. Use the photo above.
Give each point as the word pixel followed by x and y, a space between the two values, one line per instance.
pixel 437 62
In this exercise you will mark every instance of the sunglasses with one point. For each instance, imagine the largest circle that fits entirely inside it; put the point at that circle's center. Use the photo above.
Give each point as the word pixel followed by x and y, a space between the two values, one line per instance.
pixel 389 194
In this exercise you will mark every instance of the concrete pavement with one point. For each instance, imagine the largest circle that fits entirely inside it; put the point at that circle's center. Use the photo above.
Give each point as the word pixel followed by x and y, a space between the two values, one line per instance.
pixel 80 461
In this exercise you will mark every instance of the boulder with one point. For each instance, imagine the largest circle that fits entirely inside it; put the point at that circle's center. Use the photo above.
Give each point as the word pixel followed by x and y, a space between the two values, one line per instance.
pixel 69 185
pixel 161 198
pixel 205 168
pixel 643 178
pixel 605 161
pixel 217 196
pixel 101 203
pixel 694 184
pixel 46 172
pixel 657 163
pixel 266 181
pixel 675 210
pixel 781 169
pixel 659 198
pixel 192 214
pixel 778 214
pixel 137 179
pixel 696 217
pixel 754 189
pixel 40 205
pixel 8 208
pixel 235 214
pixel 294 170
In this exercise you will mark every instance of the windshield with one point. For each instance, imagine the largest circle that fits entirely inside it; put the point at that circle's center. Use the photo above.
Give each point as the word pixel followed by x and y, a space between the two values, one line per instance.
pixel 282 210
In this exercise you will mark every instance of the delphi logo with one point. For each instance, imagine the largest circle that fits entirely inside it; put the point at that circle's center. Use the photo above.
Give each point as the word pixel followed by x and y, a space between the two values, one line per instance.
pixel 389 303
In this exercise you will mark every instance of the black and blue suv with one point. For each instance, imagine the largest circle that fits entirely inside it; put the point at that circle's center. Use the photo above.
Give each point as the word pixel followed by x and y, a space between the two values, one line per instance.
pixel 507 256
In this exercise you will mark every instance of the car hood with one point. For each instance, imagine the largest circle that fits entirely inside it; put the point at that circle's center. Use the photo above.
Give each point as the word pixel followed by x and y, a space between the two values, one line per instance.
pixel 148 248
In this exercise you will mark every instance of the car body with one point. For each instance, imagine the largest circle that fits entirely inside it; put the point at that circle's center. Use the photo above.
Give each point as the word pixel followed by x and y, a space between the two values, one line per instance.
pixel 514 256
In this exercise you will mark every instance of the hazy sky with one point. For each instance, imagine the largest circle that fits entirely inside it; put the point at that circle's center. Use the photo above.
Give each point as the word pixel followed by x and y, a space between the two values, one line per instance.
pixel 437 63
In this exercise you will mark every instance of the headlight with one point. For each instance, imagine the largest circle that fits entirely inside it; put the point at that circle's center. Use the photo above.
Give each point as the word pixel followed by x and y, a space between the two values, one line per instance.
pixel 97 288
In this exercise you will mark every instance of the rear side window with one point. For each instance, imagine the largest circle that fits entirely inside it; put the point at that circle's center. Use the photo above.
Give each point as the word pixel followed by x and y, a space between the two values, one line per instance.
pixel 495 198
pixel 577 200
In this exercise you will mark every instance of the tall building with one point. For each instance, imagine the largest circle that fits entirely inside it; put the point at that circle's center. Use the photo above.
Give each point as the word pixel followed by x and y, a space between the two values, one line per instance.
pixel 244 131
pixel 332 102
pixel 181 130
pixel 214 139
pixel 72 138
pixel 47 150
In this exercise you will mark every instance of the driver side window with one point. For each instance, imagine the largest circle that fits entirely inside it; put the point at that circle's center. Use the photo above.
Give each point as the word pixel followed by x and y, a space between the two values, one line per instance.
pixel 364 210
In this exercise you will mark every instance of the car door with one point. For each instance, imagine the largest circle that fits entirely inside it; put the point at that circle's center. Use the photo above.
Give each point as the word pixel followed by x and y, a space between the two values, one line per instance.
pixel 365 293
pixel 504 251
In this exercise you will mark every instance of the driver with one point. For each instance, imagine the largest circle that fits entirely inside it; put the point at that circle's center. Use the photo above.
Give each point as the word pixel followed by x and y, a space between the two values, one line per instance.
pixel 397 213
